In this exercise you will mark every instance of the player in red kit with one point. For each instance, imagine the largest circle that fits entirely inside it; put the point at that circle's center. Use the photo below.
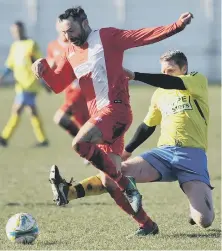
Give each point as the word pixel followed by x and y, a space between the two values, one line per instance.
pixel 74 112
pixel 94 57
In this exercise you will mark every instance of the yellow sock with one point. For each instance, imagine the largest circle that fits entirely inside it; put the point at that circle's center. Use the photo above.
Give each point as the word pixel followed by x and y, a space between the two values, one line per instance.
pixel 38 128
pixel 10 126
pixel 87 187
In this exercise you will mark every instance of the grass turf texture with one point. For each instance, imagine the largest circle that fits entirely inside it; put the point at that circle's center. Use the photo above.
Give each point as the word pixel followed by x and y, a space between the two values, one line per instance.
pixel 96 222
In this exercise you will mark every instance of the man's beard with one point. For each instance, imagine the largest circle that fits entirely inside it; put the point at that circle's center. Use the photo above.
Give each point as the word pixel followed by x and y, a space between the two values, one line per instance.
pixel 81 39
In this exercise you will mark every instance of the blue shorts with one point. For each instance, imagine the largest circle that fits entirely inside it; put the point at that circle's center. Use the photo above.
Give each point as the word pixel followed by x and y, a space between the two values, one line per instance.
pixel 179 163
pixel 25 98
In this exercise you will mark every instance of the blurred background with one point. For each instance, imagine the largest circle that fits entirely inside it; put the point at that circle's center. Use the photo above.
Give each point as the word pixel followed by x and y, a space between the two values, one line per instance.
pixel 201 41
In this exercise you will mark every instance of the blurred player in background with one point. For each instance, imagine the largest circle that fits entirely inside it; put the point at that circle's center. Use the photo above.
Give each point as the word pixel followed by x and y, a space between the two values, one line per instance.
pixel 23 52
pixel 182 111
pixel 74 112
pixel 94 57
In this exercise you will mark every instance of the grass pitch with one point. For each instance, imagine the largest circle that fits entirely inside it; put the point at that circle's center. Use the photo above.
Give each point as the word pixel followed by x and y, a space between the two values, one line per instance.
pixel 96 222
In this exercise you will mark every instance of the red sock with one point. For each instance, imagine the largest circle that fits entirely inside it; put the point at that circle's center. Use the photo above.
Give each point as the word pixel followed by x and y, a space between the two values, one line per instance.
pixel 143 219
pixel 122 181
pixel 102 161
pixel 121 201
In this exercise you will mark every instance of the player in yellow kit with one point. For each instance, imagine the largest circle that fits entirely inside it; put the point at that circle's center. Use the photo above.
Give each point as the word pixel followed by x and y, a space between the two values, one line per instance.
pixel 183 115
pixel 23 52
pixel 180 107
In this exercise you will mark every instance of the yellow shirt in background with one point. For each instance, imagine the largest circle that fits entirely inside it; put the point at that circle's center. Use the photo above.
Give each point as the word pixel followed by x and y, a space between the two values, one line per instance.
pixel 182 114
pixel 21 56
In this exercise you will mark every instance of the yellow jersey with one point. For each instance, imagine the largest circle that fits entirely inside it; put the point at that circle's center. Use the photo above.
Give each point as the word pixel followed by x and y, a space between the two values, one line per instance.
pixel 183 115
pixel 21 56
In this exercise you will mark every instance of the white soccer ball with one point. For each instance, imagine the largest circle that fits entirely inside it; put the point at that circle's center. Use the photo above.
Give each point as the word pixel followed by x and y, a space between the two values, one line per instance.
pixel 22 228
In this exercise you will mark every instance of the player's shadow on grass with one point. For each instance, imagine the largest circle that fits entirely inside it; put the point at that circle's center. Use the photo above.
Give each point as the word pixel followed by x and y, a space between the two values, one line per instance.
pixel 210 233
pixel 17 204
pixel 41 204
pixel 51 243
pixel 95 204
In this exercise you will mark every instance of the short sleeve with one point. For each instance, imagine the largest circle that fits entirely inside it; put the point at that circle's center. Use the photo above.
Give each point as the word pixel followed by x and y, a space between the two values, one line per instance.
pixel 195 83
pixel 153 117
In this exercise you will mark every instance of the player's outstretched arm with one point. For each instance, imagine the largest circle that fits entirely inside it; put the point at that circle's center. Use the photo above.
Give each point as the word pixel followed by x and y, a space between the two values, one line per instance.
pixel 142 133
pixel 126 39
pixel 57 80
pixel 158 80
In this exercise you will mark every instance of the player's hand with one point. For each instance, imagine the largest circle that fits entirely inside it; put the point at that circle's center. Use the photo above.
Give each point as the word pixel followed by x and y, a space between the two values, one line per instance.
pixel 38 68
pixel 185 18
pixel 126 155
pixel 130 74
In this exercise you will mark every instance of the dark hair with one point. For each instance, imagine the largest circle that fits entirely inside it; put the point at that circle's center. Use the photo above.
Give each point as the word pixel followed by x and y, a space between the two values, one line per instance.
pixel 20 24
pixel 77 13
pixel 177 56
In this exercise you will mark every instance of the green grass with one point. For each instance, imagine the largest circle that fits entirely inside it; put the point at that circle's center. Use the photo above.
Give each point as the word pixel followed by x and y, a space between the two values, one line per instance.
pixel 96 222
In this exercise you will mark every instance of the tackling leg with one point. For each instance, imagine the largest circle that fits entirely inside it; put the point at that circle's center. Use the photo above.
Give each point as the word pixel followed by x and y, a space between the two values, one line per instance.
pixel 199 195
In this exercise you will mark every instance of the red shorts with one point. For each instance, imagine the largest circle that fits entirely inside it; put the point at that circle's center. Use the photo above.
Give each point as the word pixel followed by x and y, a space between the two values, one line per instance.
pixel 75 105
pixel 113 121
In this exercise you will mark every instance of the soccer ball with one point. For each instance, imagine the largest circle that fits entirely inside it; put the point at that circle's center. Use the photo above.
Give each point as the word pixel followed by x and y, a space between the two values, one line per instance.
pixel 22 228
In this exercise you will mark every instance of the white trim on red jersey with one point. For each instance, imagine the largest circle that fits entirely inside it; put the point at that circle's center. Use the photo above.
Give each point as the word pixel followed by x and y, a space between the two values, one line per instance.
pixel 96 66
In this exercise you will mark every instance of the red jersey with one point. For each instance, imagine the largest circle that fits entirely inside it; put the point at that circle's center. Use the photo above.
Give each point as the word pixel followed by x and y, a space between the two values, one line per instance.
pixel 98 64
pixel 55 50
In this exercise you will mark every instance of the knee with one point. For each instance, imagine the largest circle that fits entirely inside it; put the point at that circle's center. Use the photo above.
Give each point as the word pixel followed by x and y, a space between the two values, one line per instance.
pixel 204 220
pixel 17 110
pixel 33 111
pixel 84 149
pixel 124 168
